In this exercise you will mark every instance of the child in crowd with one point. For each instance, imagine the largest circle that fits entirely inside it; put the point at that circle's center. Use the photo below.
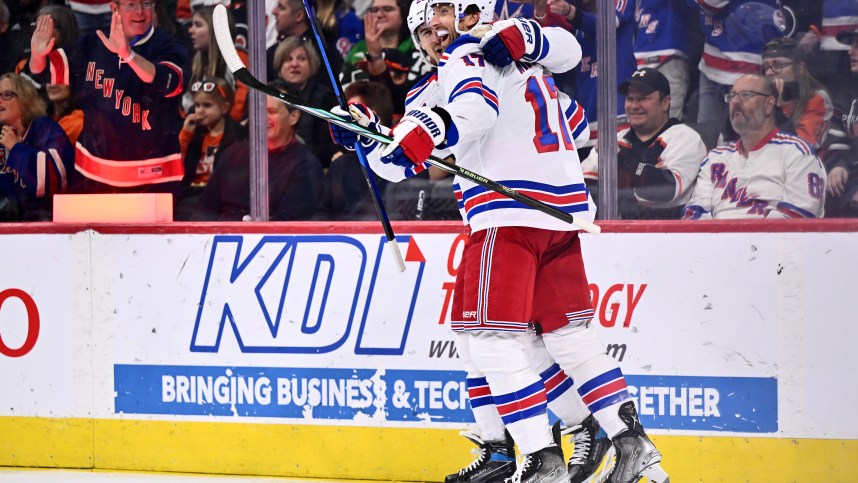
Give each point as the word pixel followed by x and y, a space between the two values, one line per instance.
pixel 207 130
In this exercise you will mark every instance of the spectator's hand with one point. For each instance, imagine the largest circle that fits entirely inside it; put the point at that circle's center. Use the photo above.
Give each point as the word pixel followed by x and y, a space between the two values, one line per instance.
pixel 562 8
pixel 836 182
pixel 852 120
pixel 9 138
pixel 779 84
pixel 42 41
pixel 415 137
pixel 809 42
pixel 372 34
pixel 190 124
pixel 116 43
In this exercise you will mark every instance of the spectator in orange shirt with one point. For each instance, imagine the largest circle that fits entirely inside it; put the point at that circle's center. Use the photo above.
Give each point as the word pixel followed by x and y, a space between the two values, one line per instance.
pixel 802 99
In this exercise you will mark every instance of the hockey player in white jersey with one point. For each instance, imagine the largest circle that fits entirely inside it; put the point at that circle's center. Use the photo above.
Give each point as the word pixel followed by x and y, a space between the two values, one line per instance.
pixel 523 269
pixel 766 173
pixel 495 459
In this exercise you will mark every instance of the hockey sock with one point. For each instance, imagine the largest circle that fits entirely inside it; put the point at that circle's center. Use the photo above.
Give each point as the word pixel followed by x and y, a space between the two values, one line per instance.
pixel 517 389
pixel 563 398
pixel 486 416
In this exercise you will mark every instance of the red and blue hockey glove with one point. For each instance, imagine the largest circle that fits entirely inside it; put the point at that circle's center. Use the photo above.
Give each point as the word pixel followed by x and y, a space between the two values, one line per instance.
pixel 511 40
pixel 360 114
pixel 415 137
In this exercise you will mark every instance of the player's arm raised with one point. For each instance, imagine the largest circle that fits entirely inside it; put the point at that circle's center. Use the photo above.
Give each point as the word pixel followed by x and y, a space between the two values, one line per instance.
pixel 518 39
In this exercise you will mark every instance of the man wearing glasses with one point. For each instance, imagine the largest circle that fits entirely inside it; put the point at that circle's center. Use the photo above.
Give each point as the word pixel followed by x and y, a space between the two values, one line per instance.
pixel 129 82
pixel 766 173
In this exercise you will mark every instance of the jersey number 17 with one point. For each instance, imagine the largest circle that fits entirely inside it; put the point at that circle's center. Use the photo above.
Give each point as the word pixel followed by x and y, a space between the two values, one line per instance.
pixel 545 137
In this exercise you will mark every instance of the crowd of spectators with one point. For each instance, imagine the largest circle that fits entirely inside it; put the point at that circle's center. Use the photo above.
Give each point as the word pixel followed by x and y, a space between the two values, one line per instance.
pixel 722 105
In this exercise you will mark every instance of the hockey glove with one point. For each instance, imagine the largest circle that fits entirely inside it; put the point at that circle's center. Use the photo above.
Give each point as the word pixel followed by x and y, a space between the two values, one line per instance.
pixel 512 40
pixel 360 114
pixel 415 137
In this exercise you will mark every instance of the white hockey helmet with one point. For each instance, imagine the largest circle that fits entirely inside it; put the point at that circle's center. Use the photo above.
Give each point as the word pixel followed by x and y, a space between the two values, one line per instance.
pixel 487 9
pixel 418 16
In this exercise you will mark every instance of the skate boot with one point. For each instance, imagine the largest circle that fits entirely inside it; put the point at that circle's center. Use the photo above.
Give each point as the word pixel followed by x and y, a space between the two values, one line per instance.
pixel 636 455
pixel 544 466
pixel 494 463
pixel 591 447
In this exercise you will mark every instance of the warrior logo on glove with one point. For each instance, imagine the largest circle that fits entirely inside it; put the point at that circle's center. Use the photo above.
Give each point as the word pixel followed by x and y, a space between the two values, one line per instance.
pixel 416 136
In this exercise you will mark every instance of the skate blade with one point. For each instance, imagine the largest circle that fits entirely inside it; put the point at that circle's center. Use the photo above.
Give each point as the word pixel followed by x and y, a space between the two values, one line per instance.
pixel 655 474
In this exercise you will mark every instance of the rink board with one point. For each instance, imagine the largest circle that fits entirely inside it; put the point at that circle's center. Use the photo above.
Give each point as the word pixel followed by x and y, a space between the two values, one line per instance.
pixel 298 350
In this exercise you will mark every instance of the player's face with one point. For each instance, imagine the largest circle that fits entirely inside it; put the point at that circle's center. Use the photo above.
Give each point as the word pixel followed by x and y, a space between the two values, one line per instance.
pixel 853 55
pixel 750 115
pixel 135 16
pixel 444 23
pixel 200 33
pixel 209 109
pixel 430 42
pixel 296 67
pixel 646 113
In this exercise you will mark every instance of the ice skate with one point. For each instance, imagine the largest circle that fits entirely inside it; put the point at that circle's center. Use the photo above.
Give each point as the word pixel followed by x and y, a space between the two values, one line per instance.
pixel 494 463
pixel 637 457
pixel 544 466
pixel 591 447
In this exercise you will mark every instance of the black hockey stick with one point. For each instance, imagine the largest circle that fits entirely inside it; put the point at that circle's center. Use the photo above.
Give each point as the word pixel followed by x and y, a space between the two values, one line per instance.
pixel 361 155
pixel 234 64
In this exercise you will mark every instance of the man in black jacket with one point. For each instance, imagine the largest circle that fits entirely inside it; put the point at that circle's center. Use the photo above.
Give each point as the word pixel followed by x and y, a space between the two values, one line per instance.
pixel 294 174
pixel 658 157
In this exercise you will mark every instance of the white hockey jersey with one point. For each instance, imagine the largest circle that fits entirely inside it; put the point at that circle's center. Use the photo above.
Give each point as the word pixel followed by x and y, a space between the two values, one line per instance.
pixel 509 125
pixel 781 178
pixel 425 93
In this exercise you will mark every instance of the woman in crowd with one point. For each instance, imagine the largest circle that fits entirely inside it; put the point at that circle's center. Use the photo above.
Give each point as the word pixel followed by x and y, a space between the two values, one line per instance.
pixel 297 63
pixel 61 105
pixel 208 63
pixel 803 100
pixel 36 158
pixel 207 131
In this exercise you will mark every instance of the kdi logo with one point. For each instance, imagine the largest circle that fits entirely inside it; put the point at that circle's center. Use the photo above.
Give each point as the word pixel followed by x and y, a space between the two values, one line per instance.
pixel 300 294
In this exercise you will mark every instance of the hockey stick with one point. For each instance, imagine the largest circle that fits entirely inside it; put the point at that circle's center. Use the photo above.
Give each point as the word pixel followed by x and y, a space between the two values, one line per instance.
pixel 361 155
pixel 234 64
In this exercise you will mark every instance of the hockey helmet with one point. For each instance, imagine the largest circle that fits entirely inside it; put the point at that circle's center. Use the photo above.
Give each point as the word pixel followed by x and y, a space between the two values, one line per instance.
pixel 418 16
pixel 486 7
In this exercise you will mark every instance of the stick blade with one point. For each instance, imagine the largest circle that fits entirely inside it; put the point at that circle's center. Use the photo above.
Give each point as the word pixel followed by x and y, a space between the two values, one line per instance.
pixel 224 39
pixel 587 226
